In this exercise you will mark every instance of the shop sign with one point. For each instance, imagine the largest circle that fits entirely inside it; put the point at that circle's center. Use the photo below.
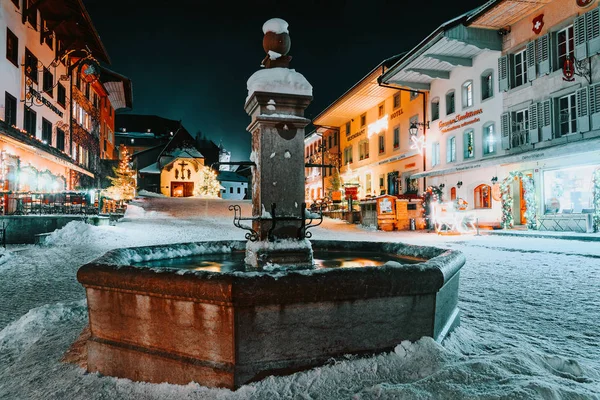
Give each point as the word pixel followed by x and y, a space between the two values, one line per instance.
pixel 45 101
pixel 459 121
pixel 355 135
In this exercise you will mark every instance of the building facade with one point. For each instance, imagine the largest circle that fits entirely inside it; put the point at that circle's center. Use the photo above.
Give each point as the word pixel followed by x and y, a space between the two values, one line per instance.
pixel 49 135
pixel 373 121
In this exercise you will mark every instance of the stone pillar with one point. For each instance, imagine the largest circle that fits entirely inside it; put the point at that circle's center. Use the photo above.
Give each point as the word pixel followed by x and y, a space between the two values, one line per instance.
pixel 277 98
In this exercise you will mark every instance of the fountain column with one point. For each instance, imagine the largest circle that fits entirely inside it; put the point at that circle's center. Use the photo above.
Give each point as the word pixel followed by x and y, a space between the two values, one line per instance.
pixel 277 98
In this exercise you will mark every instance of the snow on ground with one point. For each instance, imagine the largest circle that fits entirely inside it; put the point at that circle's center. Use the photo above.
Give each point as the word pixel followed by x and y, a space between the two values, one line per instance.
pixel 529 327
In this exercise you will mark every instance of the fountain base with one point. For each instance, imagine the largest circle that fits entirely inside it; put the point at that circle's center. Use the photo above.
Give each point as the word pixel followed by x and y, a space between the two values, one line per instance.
pixel 229 329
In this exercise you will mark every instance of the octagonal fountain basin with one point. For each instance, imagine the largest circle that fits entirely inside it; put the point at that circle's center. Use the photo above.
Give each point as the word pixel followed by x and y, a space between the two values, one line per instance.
pixel 193 312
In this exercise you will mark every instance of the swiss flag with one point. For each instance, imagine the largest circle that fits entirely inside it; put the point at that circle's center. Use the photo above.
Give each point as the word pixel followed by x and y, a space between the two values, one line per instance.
pixel 538 24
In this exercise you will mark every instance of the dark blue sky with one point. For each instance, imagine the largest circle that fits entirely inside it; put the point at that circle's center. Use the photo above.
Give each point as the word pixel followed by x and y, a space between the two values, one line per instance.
pixel 192 63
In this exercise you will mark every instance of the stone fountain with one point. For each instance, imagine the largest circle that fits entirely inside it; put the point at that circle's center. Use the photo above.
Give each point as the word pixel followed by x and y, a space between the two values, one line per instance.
pixel 278 313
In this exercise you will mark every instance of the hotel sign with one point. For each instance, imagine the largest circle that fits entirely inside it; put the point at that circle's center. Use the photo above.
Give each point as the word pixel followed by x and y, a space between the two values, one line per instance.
pixel 460 121
pixel 45 101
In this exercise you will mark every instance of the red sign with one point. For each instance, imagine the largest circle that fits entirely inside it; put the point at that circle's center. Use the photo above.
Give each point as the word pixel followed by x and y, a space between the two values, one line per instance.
pixel 538 24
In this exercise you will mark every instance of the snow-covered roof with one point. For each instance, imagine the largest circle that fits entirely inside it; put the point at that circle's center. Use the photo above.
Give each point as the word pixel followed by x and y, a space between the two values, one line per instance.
pixel 278 80
pixel 150 169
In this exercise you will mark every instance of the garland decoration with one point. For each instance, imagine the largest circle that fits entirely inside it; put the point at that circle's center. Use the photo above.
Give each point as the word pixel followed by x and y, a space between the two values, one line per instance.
pixel 507 200
pixel 596 194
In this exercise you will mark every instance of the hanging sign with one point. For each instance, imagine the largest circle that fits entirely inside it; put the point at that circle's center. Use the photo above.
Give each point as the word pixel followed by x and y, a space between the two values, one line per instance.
pixel 538 24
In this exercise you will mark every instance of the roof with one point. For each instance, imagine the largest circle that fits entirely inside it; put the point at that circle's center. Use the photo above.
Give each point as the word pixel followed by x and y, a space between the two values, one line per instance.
pixel 229 176
pixel 365 94
pixel 119 89
pixel 71 23
pixel 452 44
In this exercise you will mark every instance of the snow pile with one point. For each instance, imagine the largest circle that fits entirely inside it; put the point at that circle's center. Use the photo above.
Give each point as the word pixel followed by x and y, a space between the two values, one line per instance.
pixel 145 193
pixel 275 25
pixel 278 80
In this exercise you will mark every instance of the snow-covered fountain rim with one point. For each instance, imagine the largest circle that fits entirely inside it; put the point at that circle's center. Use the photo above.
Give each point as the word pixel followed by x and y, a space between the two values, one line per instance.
pixel 446 261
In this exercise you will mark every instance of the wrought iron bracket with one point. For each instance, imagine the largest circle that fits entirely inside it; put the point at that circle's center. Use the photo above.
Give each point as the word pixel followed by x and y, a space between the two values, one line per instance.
pixel 252 235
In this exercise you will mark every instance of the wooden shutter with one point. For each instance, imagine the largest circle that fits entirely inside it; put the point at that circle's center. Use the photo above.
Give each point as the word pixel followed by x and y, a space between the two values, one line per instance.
pixel 580 41
pixel 592 31
pixel 545 119
pixel 531 64
pixel 595 105
pixel 543 54
pixel 503 73
pixel 534 131
pixel 583 113
pixel 505 130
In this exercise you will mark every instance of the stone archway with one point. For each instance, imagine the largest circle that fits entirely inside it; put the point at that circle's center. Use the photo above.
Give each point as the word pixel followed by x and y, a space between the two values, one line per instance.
pixel 508 202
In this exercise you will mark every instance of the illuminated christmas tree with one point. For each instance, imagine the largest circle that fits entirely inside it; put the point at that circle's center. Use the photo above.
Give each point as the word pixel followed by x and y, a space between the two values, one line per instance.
pixel 123 183
pixel 207 185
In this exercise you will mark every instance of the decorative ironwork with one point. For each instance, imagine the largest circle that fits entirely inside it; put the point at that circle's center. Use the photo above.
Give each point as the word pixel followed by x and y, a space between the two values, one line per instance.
pixel 252 235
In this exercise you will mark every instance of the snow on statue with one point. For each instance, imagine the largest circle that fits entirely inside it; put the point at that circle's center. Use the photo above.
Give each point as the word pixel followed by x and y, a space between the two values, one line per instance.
pixel 207 185
pixel 123 183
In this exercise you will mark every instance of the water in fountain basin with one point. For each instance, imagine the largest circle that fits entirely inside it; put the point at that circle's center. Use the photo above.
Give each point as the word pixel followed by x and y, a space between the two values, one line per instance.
pixel 234 261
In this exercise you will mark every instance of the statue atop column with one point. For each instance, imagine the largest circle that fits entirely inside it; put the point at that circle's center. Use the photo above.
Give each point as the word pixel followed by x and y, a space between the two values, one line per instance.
pixel 276 44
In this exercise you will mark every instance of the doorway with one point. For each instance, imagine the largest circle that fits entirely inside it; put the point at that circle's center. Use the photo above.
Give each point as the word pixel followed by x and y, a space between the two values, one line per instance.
pixel 182 189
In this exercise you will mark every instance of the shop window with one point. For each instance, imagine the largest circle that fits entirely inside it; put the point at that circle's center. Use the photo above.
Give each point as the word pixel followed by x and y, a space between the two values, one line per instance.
pixel 452 193
pixel 12 47
pixel 435 109
pixel 450 102
pixel 483 196
pixel 569 189
pixel 487 84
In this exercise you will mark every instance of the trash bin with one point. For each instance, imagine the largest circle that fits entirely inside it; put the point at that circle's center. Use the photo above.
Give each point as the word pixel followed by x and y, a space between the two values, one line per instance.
pixel 413 225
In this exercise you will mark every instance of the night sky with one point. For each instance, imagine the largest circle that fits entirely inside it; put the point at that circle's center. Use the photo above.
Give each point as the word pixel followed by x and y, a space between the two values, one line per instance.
pixel 193 64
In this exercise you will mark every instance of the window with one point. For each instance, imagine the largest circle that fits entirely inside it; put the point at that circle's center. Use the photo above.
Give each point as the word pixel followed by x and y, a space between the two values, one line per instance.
pixel 450 102
pixel 10 109
pixel 397 101
pixel 469 144
pixel 487 84
pixel 489 140
pixel 348 155
pixel 566 46
pixel 381 110
pixel 363 149
pixel 29 120
pixel 48 82
pixel 451 149
pixel 61 95
pixel 381 144
pixel 520 132
pixel 31 65
pixel 566 114
pixel 467 94
pixel 32 16
pixel 12 47
pixel 396 137
pixel 483 196
pixel 435 154
pixel 348 128
pixel 363 120
pixel 413 95
pixel 520 68
pixel 435 109
pixel 46 131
